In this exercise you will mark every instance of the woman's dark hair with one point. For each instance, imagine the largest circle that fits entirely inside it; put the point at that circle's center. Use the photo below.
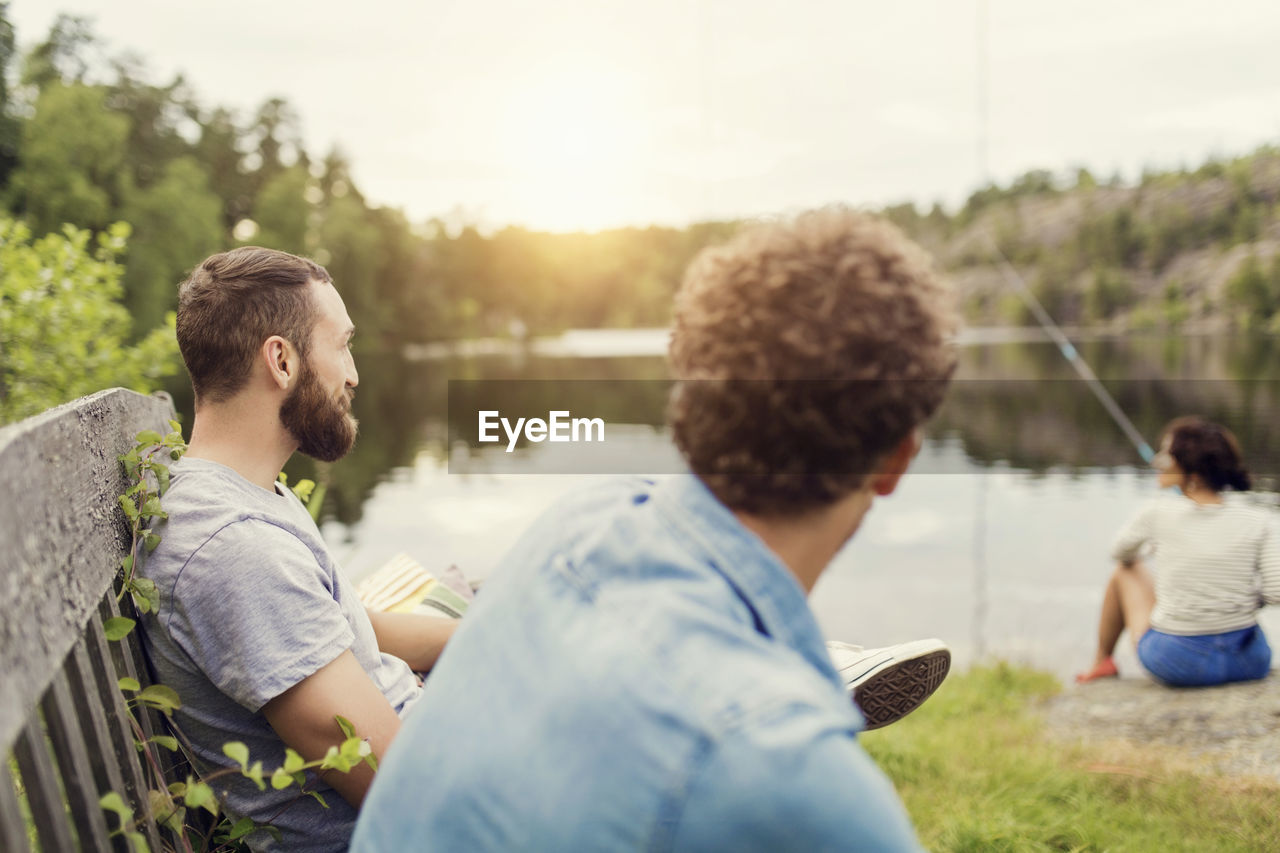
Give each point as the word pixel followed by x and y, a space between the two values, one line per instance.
pixel 1209 451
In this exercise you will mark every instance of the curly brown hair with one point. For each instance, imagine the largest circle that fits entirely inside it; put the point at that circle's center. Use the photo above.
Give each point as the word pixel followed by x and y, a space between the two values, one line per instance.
pixel 233 302
pixel 1209 451
pixel 804 352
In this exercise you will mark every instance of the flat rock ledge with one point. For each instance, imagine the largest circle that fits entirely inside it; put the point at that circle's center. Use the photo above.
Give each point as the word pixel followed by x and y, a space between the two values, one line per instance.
pixel 1233 729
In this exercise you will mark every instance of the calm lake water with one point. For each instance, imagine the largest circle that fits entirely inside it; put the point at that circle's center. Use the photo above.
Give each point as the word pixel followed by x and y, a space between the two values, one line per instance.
pixel 997 542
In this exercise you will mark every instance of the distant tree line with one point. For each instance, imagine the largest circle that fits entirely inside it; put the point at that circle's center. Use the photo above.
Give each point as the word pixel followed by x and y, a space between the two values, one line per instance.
pixel 89 139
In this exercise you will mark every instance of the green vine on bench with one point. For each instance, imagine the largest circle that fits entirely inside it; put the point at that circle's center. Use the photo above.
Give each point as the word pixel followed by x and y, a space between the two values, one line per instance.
pixel 146 468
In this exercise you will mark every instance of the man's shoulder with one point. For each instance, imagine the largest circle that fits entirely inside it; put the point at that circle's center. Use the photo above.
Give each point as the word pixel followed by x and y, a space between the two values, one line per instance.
pixel 206 534
pixel 206 500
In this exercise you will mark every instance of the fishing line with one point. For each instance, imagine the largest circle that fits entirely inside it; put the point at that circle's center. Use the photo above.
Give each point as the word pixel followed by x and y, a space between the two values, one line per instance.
pixel 1070 353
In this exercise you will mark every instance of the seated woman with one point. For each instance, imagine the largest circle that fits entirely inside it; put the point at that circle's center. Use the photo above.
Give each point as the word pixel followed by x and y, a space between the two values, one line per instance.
pixel 1219 563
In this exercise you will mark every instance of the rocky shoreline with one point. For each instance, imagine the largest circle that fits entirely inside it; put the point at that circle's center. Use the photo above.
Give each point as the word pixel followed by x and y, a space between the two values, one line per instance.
pixel 1233 729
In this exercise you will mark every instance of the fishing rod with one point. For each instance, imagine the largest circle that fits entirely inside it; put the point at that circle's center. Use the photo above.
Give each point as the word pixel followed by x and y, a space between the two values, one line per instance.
pixel 1070 353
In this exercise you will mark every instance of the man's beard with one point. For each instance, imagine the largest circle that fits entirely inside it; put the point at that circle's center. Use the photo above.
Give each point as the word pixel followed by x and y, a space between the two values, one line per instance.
pixel 321 424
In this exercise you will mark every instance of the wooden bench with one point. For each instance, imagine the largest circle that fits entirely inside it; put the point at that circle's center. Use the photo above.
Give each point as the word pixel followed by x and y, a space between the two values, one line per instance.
pixel 67 736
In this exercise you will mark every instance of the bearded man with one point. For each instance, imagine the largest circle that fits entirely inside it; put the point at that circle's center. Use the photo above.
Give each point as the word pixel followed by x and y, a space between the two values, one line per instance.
pixel 259 631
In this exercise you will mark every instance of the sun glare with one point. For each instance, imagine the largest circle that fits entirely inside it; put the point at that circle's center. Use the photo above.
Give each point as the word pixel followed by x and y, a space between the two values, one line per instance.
pixel 573 152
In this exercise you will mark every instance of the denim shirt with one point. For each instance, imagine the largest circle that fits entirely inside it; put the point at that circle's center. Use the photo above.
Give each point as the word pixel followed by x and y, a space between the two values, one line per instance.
pixel 640 673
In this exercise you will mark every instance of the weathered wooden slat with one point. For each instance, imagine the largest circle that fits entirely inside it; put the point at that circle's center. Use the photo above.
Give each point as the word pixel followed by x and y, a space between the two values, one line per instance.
pixel 110 763
pixel 13 829
pixel 62 540
pixel 43 796
pixel 73 762
pixel 108 775
pixel 120 734
pixel 124 662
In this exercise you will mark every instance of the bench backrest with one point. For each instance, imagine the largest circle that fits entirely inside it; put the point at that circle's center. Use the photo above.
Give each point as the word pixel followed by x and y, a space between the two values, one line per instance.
pixel 65 730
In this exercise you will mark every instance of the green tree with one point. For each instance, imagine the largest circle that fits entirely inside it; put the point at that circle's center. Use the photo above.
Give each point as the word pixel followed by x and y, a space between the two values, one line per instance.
pixel 176 222
pixel 154 114
pixel 1253 293
pixel 281 211
pixel 351 247
pixel 218 150
pixel 62 332
pixel 69 166
pixel 60 58
pixel 1109 291
pixel 10 129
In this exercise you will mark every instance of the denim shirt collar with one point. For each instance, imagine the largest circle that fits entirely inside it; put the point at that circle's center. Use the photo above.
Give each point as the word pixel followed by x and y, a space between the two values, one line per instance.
pixel 764 583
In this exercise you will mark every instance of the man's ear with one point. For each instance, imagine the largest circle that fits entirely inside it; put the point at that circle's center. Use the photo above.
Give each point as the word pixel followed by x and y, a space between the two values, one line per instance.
pixel 281 361
pixel 895 464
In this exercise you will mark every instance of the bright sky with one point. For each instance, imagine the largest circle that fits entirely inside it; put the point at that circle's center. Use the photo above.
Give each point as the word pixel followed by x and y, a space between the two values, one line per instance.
pixel 566 114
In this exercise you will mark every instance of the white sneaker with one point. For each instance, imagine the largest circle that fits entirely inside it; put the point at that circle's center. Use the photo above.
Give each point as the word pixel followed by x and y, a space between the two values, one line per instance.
pixel 889 683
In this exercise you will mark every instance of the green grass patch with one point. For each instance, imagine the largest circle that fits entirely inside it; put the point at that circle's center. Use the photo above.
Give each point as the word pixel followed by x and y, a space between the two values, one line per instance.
pixel 977 773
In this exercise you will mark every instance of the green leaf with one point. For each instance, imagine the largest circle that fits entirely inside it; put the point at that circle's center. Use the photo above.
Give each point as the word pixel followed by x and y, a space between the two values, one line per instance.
pixel 161 697
pixel 162 479
pixel 200 796
pixel 129 507
pixel 241 828
pixel 282 477
pixel 176 427
pixel 152 508
pixel 117 628
pixel 113 802
pixel 319 799
pixel 350 749
pixel 281 779
pixel 151 541
pixel 148 437
pixel 145 595
pixel 293 762
pixel 348 730
pixel 164 810
pixel 127 564
pixel 169 743
pixel 137 842
pixel 304 489
pixel 237 752
pixel 129 684
pixel 254 772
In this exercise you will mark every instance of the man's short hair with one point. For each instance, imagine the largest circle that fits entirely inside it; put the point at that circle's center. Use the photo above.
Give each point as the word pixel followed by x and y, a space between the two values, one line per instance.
pixel 233 302
pixel 805 352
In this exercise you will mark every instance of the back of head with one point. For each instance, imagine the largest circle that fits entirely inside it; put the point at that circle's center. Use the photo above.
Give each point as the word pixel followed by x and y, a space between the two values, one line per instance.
pixel 233 302
pixel 1208 451
pixel 806 351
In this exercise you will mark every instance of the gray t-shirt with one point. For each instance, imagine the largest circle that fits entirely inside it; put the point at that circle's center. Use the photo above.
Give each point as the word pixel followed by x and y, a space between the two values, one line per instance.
pixel 251 603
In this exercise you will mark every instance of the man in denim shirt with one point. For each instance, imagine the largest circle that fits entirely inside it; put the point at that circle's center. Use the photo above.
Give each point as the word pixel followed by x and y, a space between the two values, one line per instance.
pixel 643 671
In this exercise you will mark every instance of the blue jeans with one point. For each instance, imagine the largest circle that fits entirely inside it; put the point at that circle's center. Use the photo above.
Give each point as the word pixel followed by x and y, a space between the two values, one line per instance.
pixel 1205 659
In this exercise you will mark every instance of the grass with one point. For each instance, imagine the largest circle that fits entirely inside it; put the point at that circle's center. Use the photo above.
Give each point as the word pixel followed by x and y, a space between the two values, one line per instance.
pixel 977 773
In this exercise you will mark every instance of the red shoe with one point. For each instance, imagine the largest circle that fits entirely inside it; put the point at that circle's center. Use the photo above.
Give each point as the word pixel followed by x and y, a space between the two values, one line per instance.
pixel 1106 668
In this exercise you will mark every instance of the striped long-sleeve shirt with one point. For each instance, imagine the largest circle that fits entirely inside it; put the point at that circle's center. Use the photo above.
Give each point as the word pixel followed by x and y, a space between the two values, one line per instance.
pixel 1216 564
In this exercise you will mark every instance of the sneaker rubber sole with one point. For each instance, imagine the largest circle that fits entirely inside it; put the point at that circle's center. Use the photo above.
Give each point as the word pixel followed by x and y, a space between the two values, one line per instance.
pixel 902 687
